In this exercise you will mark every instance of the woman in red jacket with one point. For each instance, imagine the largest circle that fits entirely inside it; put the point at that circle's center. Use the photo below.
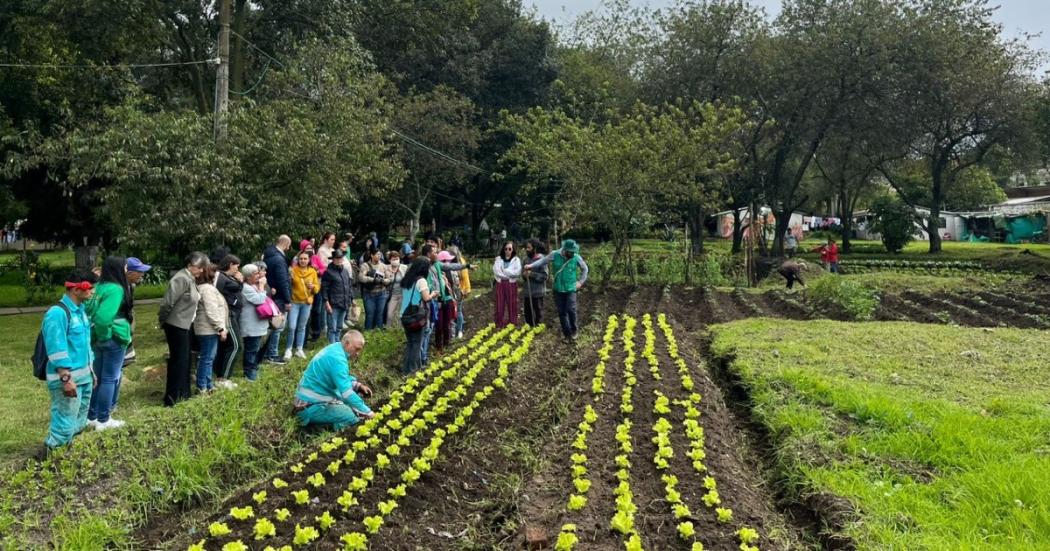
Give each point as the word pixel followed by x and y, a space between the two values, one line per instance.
pixel 829 256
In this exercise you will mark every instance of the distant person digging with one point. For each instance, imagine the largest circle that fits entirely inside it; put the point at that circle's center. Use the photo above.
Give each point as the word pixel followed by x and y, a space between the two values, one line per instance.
pixel 792 272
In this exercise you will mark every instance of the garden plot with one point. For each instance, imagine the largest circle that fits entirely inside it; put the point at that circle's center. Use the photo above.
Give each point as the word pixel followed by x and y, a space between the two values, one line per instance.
pixel 654 456
pixel 341 494
pixel 947 268
pixel 936 442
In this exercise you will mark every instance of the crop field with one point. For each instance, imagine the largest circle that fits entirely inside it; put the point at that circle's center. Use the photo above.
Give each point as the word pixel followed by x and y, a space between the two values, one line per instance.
pixel 682 418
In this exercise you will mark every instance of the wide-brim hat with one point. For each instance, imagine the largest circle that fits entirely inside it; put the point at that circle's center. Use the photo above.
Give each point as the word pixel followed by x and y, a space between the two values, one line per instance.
pixel 570 246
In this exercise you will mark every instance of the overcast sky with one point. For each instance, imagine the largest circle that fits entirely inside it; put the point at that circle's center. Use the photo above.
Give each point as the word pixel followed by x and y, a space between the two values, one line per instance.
pixel 1017 16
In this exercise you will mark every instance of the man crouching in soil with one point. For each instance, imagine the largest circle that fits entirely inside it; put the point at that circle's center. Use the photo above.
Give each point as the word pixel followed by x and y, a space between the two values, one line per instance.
pixel 328 393
pixel 792 272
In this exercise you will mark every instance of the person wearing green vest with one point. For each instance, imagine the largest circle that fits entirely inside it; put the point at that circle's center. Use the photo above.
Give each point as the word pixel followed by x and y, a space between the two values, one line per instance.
pixel 564 265
pixel 109 311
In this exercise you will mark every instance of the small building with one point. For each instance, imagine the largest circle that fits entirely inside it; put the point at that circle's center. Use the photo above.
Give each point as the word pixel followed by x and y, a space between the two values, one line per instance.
pixel 723 221
pixel 952 225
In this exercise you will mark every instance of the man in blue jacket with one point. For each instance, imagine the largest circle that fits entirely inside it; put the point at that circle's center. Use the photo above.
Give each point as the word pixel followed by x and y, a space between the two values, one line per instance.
pixel 70 379
pixel 328 393
pixel 280 281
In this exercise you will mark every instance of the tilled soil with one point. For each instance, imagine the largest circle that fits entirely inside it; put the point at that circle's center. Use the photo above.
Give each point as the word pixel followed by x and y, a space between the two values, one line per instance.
pixel 504 481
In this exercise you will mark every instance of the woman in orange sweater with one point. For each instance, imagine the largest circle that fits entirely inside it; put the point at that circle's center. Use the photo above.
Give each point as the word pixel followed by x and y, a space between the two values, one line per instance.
pixel 305 285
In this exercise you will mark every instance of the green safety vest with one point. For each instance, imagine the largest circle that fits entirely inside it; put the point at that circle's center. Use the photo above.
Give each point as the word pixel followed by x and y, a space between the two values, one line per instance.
pixel 565 273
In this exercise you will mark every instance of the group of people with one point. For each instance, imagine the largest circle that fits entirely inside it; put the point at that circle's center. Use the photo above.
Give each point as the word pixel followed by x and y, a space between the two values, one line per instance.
pixel 87 338
pixel 791 270
pixel 430 310
pixel 217 307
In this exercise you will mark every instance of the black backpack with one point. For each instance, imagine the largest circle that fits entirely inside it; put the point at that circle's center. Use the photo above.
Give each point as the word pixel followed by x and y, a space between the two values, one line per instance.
pixel 40 351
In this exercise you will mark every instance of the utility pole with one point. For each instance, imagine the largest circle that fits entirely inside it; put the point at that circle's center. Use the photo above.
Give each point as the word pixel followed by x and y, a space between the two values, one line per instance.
pixel 222 75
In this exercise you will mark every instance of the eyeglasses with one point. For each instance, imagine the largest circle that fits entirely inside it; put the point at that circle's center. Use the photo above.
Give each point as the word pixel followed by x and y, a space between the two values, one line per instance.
pixel 508 248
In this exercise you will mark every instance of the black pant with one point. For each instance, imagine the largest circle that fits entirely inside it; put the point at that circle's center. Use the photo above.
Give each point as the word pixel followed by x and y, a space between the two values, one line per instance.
pixel 318 319
pixel 533 310
pixel 228 348
pixel 178 383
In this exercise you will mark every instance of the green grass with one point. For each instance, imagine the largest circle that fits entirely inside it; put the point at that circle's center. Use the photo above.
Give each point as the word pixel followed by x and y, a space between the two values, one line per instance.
pixel 939 437
pixel 95 493
pixel 59 258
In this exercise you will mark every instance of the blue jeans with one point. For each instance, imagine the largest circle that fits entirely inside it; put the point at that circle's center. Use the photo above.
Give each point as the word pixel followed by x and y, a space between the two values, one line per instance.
pixel 273 345
pixel 335 324
pixel 251 357
pixel 298 319
pixel 459 317
pixel 206 360
pixel 68 415
pixel 375 310
pixel 109 364
pixel 566 305
pixel 413 352
pixel 424 345
pixel 834 267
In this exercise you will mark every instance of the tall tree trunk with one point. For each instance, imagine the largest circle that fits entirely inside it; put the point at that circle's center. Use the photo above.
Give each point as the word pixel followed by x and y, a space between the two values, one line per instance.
pixel 738 232
pixel 937 199
pixel 696 232
pixel 783 222
pixel 846 213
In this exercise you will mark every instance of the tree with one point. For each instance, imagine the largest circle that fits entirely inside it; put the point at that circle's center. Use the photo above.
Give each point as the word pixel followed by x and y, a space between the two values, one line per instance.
pixel 967 91
pixel 292 163
pixel 440 131
pixel 615 173
pixel 895 220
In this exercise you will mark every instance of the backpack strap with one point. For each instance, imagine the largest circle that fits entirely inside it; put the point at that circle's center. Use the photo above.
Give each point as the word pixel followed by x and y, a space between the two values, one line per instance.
pixel 69 315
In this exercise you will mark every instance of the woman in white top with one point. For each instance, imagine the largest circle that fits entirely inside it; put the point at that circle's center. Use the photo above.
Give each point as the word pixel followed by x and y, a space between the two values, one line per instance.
pixel 507 269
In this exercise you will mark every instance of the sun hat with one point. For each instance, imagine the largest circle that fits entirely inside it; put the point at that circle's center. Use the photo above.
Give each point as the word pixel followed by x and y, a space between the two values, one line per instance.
pixel 570 246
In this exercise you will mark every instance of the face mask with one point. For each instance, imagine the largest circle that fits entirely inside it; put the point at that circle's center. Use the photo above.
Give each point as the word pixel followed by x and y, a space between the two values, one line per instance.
pixel 395 263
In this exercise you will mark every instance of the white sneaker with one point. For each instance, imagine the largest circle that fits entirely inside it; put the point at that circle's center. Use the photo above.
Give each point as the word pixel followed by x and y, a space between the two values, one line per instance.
pixel 459 335
pixel 288 355
pixel 111 424
pixel 92 424
pixel 300 354
pixel 226 383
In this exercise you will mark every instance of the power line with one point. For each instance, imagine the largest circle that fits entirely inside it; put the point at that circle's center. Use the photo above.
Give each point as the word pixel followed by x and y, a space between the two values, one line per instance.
pixel 104 66
pixel 266 68
pixel 258 49
pixel 441 154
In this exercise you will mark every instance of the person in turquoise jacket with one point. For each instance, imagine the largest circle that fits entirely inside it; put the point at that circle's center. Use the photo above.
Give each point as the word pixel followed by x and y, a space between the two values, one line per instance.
pixel 70 379
pixel 328 393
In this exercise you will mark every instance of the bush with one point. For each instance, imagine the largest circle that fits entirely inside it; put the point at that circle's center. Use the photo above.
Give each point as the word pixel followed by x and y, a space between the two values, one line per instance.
pixel 857 299
pixel 895 221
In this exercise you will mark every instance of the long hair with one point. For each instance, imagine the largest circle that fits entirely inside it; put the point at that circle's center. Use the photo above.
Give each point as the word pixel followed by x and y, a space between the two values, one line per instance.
pixel 513 251
pixel 207 274
pixel 416 270
pixel 114 270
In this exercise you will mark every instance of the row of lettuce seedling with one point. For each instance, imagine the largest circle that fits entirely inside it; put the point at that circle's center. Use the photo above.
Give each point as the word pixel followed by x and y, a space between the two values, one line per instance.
pixel 385 427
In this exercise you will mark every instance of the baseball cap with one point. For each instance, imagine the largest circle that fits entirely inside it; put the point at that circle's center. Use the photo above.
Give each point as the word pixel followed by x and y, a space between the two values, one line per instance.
pixel 445 256
pixel 136 265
